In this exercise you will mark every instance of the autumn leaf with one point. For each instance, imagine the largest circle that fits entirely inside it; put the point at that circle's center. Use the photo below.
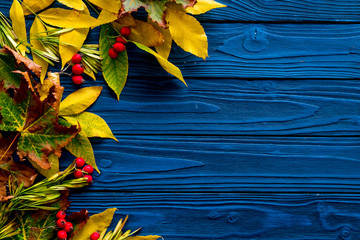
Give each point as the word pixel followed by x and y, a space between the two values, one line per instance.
pixel 80 146
pixel 31 6
pixel 96 223
pixel 76 4
pixel 18 23
pixel 71 42
pixel 91 125
pixel 109 5
pixel 187 32
pixel 168 66
pixel 73 19
pixel 38 30
pixel 203 6
pixel 7 66
pixel 165 48
pixel 106 16
pixel 186 3
pixel 78 219
pixel 146 34
pixel 35 121
pixel 115 71
pixel 79 101
pixel 55 168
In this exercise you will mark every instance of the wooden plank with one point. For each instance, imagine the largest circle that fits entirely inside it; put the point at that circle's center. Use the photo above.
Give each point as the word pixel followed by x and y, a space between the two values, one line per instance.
pixel 289 11
pixel 231 216
pixel 227 164
pixel 231 106
pixel 266 51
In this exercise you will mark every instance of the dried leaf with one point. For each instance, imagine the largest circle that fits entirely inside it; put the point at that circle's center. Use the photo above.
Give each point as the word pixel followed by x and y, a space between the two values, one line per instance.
pixel 165 48
pixel 80 146
pixel 35 6
pixel 187 32
pixel 44 88
pixel 18 23
pixel 38 30
pixel 97 222
pixel 115 71
pixel 54 162
pixel 146 34
pixel 109 5
pixel 202 6
pixel 91 124
pixel 76 4
pixel 168 66
pixel 73 19
pixel 78 219
pixel 79 101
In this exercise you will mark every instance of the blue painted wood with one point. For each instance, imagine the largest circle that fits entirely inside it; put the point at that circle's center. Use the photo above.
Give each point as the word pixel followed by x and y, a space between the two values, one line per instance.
pixel 231 106
pixel 227 164
pixel 233 216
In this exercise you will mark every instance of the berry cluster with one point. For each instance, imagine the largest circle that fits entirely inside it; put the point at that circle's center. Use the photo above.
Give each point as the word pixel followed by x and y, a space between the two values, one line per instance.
pixel 86 170
pixel 119 45
pixel 77 69
pixel 61 223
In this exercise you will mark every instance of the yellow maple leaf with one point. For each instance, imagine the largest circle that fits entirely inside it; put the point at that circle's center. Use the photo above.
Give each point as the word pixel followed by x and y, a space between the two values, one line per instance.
pixel 18 24
pixel 202 6
pixel 187 32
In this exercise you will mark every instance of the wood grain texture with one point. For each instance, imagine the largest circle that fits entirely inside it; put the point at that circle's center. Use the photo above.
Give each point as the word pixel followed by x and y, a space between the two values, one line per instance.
pixel 232 216
pixel 231 107
pixel 227 164
pixel 239 50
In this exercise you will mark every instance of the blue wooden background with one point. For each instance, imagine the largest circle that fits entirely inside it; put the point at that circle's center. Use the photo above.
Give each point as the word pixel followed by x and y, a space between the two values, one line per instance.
pixel 263 144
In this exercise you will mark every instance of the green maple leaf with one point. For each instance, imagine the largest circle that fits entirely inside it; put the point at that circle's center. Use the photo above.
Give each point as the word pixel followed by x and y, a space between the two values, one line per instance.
pixel 155 8
pixel 34 122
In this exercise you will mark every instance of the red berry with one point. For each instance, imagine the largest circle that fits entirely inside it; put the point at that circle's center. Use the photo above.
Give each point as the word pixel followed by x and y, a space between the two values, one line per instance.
pixel 68 227
pixel 121 40
pixel 76 58
pixel 62 234
pixel 77 69
pixel 77 79
pixel 89 178
pixel 125 31
pixel 112 53
pixel 118 47
pixel 78 174
pixel 61 223
pixel 80 162
pixel 94 236
pixel 61 214
pixel 88 169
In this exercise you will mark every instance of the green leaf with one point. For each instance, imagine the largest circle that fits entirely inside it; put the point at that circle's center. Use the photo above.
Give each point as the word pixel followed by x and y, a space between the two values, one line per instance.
pixel 168 66
pixel 115 71
pixel 79 100
pixel 80 146
pixel 96 223
pixel 7 77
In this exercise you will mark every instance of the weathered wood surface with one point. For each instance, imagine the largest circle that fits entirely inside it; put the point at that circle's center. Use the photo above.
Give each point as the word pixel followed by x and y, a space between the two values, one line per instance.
pixel 233 216
pixel 231 107
pixel 228 164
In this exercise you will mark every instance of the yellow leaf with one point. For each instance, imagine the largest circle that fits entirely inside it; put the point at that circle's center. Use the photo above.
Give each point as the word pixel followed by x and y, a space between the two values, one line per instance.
pixel 18 24
pixel 105 16
pixel 54 161
pixel 38 30
pixel 90 74
pixel 202 6
pixel 126 20
pixel 80 146
pixel 165 48
pixel 168 66
pixel 150 237
pixel 68 18
pixel 79 101
pixel 35 6
pixel 146 34
pixel 96 223
pixel 44 87
pixel 187 32
pixel 76 4
pixel 91 125
pixel 110 5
